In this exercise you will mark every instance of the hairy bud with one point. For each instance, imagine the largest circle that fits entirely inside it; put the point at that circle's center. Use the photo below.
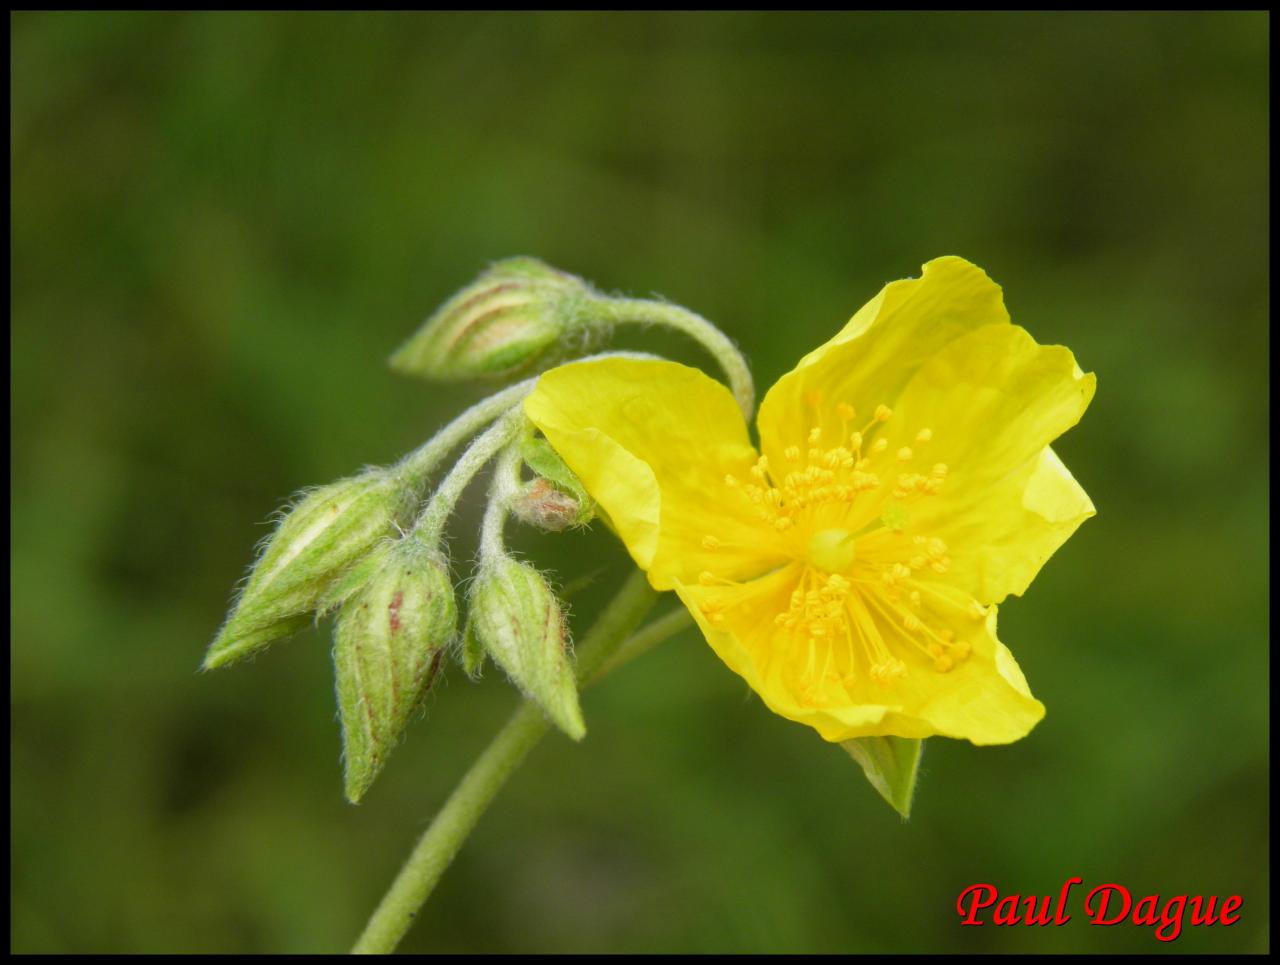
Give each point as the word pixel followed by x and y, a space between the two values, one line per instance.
pixel 330 529
pixel 389 641
pixel 556 500
pixel 517 620
pixel 516 318
pixel 540 504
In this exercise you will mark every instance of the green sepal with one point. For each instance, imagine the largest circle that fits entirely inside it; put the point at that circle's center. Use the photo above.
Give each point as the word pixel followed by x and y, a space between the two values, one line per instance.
pixel 547 463
pixel 472 652
pixel 891 764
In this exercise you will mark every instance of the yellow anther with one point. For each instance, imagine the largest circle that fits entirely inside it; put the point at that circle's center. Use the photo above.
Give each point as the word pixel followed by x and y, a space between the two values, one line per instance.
pixel 731 481
pixel 911 622
pixel 940 471
pixel 905 453
pixel 792 454
pixel 880 445
pixel 883 413
pixel 961 650
pixel 941 566
pixel 915 598
pixel 924 435
pixel 707 578
pixel 783 523
pixel 936 650
pixel 845 411
pixel 943 664
pixel 855 440
pixel 814 435
pixel 918 562
pixel 948 635
pixel 711 543
pixel 937 548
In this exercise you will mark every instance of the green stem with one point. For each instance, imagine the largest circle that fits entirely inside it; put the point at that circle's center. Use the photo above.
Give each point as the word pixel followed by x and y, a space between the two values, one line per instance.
pixel 642 641
pixel 431 522
pixel 418 464
pixel 472 796
pixel 646 312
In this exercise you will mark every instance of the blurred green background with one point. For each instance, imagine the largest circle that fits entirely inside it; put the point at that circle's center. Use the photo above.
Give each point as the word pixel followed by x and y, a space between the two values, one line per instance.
pixel 223 224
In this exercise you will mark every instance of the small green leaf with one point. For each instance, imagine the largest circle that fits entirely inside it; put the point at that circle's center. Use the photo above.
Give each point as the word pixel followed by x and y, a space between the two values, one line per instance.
pixel 472 652
pixel 891 765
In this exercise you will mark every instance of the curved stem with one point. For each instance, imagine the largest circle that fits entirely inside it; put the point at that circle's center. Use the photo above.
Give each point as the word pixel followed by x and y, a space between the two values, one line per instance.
pixel 431 522
pixel 644 640
pixel 476 791
pixel 418 464
pixel 644 311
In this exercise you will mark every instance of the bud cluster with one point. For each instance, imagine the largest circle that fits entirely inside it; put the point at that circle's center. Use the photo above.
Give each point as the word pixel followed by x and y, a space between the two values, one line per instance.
pixel 367 549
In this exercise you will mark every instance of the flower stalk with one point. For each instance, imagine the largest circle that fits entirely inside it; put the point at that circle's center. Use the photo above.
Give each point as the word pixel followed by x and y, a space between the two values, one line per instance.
pixel 473 795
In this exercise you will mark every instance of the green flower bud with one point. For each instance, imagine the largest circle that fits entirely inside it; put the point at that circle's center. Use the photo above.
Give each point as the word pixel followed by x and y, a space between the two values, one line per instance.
pixel 516 318
pixel 517 620
pixel 558 499
pixel 390 638
pixel 325 533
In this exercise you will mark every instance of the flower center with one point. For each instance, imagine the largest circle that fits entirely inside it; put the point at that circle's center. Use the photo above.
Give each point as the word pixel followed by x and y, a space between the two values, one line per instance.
pixel 832 550
pixel 867 595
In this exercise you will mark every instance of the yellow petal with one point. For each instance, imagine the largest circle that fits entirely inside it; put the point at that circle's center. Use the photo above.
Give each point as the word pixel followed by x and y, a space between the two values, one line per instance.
pixel 983 699
pixel 875 355
pixel 993 401
pixel 652 442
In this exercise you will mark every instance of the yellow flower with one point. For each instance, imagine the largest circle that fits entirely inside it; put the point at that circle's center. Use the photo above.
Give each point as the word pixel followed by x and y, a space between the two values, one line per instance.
pixel 849 570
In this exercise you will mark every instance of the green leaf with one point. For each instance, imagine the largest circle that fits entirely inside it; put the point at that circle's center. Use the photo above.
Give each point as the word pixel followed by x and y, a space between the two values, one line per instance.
pixel 891 765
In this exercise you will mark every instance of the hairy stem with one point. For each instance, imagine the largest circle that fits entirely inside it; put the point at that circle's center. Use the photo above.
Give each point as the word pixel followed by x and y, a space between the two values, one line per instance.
pixel 431 523
pixel 419 464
